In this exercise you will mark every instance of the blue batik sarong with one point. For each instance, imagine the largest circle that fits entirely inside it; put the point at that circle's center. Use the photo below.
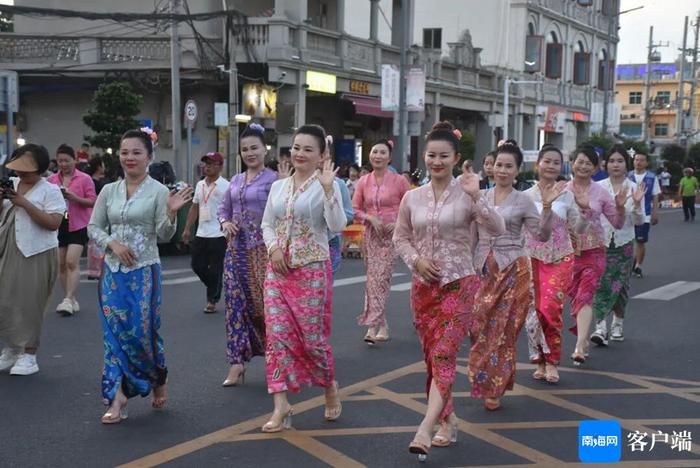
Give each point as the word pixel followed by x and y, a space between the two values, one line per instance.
pixel 133 349
pixel 335 254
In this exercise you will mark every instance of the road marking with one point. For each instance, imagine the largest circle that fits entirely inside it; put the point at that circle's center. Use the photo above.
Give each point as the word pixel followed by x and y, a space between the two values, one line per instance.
pixel 401 287
pixel 670 291
pixel 358 279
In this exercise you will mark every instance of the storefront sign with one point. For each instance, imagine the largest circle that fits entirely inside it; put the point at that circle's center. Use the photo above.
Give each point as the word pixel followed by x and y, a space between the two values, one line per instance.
pixel 221 114
pixel 259 101
pixel 359 87
pixel 390 88
pixel 321 82
pixel 554 120
pixel 579 117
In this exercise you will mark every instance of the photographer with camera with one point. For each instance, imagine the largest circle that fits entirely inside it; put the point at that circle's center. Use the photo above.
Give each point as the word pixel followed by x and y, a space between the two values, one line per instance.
pixel 30 214
pixel 79 191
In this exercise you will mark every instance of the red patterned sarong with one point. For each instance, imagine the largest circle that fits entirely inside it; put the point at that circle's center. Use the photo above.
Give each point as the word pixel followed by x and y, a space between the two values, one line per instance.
pixel 588 268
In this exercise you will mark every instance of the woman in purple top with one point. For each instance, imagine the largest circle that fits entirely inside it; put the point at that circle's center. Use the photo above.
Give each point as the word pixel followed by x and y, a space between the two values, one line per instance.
pixel 240 216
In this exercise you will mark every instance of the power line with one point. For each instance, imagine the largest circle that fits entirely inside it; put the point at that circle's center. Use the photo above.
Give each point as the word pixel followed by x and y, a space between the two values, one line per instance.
pixel 115 16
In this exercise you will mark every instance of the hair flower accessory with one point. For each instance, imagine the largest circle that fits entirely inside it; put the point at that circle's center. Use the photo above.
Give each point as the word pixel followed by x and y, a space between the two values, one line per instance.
pixel 329 140
pixel 257 127
pixel 151 134
pixel 391 143
pixel 457 133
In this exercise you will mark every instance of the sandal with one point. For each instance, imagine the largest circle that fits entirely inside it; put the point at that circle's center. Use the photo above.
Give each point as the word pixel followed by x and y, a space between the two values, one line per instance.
pixel 551 374
pixel 285 422
pixel 443 438
pixel 492 404
pixel 160 396
pixel 419 448
pixel 540 373
pixel 332 413
pixel 113 416
pixel 369 336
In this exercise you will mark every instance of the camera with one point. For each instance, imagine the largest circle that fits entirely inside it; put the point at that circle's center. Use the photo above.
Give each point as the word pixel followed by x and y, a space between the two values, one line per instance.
pixel 176 186
pixel 6 184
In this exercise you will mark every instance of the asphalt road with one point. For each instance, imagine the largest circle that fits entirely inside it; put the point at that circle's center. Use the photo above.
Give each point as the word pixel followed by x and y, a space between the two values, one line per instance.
pixel 649 382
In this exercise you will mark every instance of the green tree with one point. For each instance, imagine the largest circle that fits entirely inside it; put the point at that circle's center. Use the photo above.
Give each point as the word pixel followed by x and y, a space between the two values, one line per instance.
pixel 600 141
pixel 6 23
pixel 115 106
pixel 693 159
pixel 674 158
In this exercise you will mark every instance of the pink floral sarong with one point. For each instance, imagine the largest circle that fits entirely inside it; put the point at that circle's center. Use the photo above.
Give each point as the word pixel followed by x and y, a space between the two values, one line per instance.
pixel 297 327
pixel 589 266
pixel 380 258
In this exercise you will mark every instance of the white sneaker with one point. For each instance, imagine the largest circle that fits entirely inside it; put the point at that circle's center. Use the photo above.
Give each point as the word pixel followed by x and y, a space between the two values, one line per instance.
pixel 65 308
pixel 25 365
pixel 600 335
pixel 76 306
pixel 616 331
pixel 8 359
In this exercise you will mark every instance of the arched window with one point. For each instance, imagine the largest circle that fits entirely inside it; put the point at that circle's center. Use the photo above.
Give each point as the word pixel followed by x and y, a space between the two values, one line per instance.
pixel 533 49
pixel 554 56
pixel 606 70
pixel 582 64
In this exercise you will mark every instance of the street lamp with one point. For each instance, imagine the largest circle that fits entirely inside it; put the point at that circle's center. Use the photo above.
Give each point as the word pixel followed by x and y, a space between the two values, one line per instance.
pixel 606 66
pixel 506 99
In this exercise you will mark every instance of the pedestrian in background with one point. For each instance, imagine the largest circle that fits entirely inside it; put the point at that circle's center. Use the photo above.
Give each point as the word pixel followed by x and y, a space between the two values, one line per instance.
pixel 353 178
pixel 640 175
pixel 612 294
pixel 31 210
pixel 376 203
pixel 96 170
pixel 434 234
pixel 129 217
pixel 505 294
pixel 79 191
pixel 687 189
pixel 665 181
pixel 209 244
pixel 486 173
pixel 589 263
pixel 300 212
pixel 552 266
pixel 240 216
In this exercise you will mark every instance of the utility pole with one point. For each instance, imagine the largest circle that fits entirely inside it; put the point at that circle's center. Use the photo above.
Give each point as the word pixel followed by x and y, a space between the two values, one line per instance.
pixel 176 114
pixel 607 82
pixel 646 137
pixel 693 79
pixel 681 89
pixel 232 103
pixel 403 114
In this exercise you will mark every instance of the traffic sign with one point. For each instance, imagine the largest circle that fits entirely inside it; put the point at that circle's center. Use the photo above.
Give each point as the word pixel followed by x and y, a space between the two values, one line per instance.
pixel 191 111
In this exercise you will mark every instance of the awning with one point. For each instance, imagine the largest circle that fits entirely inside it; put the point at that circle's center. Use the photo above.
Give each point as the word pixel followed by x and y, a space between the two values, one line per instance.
pixel 367 105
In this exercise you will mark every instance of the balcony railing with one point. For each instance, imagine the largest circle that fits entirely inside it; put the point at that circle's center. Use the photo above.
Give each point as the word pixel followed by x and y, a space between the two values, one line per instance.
pixel 582 14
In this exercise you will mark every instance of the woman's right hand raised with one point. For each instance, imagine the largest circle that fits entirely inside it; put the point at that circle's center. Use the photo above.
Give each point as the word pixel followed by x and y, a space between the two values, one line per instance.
pixel 125 255
pixel 428 270
pixel 278 262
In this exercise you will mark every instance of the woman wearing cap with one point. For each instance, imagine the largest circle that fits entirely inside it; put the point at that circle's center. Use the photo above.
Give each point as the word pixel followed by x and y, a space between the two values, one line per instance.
pixel 376 204
pixel 31 211
pixel 79 191
pixel 209 244
pixel 240 215
pixel 129 217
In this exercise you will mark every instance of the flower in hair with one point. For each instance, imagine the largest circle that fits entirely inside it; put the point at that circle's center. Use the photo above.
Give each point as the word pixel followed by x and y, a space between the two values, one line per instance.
pixel 257 127
pixel 329 139
pixel 151 134
pixel 390 143
pixel 457 133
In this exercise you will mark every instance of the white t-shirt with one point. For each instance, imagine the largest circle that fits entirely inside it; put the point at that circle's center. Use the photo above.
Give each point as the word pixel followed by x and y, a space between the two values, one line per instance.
pixel 665 179
pixel 638 178
pixel 209 198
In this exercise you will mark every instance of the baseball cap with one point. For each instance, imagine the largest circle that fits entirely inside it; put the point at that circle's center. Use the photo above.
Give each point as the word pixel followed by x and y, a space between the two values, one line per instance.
pixel 214 157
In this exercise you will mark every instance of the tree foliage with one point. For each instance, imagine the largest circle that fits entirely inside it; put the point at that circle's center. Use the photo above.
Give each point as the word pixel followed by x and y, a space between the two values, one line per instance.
pixel 115 106
pixel 674 158
pixel 693 159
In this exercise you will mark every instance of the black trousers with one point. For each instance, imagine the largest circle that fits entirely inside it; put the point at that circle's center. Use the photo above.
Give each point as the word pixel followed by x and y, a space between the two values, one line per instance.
pixel 208 263
pixel 689 207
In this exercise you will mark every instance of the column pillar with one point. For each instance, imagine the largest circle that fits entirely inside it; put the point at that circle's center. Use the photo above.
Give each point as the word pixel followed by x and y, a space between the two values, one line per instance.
pixel 374 20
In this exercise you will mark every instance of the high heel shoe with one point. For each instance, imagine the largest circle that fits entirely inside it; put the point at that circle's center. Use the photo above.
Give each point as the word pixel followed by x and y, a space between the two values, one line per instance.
pixel 369 336
pixel 382 334
pixel 239 380
pixel 332 413
pixel 419 448
pixel 551 374
pixel 492 404
pixel 578 357
pixel 276 426
pixel 540 373
pixel 442 440
pixel 115 417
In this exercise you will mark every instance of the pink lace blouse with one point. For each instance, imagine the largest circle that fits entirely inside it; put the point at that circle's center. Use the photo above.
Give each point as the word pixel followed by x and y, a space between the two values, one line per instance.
pixel 602 204
pixel 443 230
pixel 380 200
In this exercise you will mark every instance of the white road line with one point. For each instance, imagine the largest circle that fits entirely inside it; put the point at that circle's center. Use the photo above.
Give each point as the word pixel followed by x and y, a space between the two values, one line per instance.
pixel 357 279
pixel 401 287
pixel 189 279
pixel 670 291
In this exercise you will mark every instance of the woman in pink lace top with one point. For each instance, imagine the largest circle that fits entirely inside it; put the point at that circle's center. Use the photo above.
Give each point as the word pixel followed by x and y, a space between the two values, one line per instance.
pixel 589 263
pixel 376 205
pixel 434 234
pixel 552 268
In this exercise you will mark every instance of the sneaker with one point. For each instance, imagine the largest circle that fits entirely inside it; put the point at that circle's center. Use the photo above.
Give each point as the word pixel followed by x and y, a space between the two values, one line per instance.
pixel 76 306
pixel 600 335
pixel 8 359
pixel 637 272
pixel 65 308
pixel 616 331
pixel 25 365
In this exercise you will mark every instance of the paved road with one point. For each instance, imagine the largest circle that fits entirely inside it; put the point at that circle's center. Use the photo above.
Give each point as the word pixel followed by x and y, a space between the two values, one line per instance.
pixel 650 382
